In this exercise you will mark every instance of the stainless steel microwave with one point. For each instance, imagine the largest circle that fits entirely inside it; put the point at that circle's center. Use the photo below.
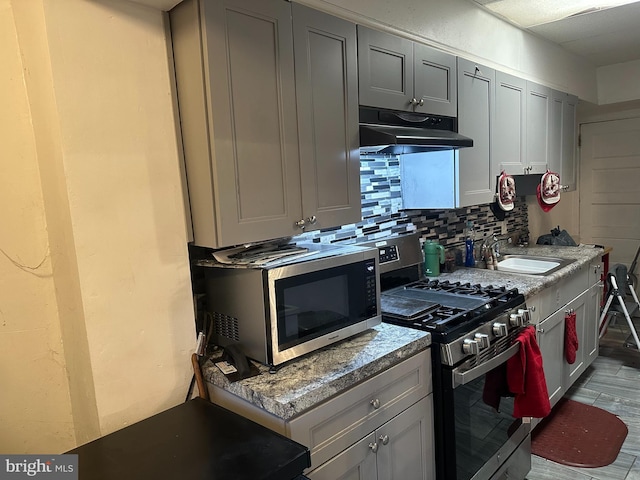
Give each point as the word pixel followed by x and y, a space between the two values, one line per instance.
pixel 278 313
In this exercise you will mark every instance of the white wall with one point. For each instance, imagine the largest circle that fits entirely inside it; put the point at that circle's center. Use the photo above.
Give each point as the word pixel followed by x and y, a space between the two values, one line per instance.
pixel 93 96
pixel 619 82
pixel 35 406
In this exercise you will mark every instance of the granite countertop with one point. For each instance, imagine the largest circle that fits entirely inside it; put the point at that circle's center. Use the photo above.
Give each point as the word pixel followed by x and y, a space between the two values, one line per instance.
pixel 303 383
pixel 313 378
pixel 528 285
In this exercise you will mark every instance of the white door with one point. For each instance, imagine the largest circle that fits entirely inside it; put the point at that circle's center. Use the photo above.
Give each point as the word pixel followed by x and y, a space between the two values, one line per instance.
pixel 610 186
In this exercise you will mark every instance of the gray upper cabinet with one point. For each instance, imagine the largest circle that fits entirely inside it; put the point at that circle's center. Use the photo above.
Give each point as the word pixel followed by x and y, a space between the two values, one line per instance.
pixel 563 138
pixel 252 144
pixel 327 98
pixel 399 74
pixel 475 120
pixel 510 132
pixel 538 121
pixel 568 170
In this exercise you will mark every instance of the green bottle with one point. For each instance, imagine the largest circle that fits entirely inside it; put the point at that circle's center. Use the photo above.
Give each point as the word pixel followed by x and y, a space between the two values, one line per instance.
pixel 433 257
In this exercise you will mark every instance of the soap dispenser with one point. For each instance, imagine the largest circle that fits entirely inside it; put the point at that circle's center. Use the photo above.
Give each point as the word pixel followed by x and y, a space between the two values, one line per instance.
pixel 470 260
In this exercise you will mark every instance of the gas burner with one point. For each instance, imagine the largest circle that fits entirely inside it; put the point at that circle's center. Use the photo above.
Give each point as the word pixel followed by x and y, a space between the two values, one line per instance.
pixel 458 288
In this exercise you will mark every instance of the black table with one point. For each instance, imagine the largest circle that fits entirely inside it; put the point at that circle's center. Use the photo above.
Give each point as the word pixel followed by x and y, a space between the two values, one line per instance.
pixel 195 440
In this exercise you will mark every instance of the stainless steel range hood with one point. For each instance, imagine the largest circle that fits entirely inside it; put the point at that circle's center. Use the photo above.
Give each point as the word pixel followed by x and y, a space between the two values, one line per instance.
pixel 395 133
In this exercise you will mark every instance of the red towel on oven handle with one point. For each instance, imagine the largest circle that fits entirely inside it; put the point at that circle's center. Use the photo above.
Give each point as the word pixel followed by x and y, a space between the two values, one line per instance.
pixel 526 380
pixel 570 337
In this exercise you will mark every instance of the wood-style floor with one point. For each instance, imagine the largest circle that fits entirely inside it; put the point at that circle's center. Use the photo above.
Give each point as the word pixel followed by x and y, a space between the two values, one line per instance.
pixel 613 384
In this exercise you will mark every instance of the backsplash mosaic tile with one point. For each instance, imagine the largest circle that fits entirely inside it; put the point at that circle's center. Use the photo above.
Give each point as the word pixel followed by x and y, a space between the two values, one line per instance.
pixel 383 215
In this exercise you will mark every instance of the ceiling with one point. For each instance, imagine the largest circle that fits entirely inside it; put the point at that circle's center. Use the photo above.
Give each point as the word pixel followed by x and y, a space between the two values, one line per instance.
pixel 605 33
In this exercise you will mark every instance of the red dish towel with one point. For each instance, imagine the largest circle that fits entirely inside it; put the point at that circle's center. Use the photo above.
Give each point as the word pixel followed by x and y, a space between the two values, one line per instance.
pixel 495 387
pixel 525 377
pixel 570 337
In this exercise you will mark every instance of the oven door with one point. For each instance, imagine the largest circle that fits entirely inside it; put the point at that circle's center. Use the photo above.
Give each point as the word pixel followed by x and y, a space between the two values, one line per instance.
pixel 478 439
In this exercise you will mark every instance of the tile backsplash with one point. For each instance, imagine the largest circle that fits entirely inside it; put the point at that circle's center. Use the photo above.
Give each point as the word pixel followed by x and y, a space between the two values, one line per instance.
pixel 383 215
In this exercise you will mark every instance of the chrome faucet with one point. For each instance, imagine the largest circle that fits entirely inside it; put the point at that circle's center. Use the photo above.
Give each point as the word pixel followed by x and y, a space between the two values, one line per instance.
pixel 494 246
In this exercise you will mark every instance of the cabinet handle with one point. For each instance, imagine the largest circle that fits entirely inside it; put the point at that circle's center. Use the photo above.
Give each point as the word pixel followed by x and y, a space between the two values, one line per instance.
pixel 374 447
pixel 413 101
pixel 300 223
pixel 375 403
pixel 312 219
pixel 541 330
pixel 421 103
pixel 532 308
pixel 384 439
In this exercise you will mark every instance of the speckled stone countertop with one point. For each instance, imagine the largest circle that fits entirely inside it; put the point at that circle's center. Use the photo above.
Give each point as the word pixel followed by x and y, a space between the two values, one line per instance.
pixel 303 383
pixel 528 285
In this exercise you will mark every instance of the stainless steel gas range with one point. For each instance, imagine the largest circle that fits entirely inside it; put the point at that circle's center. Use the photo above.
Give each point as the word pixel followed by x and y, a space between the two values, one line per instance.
pixel 473 329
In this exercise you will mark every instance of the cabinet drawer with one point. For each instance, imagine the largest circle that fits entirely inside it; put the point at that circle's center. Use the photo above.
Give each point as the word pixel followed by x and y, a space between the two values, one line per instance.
pixel 574 285
pixel 542 304
pixel 346 418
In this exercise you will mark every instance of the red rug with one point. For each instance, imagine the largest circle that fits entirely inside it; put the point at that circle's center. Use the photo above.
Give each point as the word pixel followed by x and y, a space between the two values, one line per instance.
pixel 579 435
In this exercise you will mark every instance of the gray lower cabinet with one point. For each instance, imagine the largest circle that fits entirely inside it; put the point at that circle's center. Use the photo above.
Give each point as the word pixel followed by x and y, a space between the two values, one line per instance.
pixel 594 301
pixel 402 448
pixel 380 428
pixel 399 74
pixel 395 405
pixel 476 117
pixel 265 136
pixel 551 342
pixel 560 374
pixel 580 306
pixel 581 293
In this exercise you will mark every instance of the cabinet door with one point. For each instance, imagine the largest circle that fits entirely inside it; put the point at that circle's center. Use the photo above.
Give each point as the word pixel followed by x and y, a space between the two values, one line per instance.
pixel 568 174
pixel 574 370
pixel 405 444
pixel 509 137
pixel 249 186
pixel 357 462
pixel 475 120
pixel 551 342
pixel 385 70
pixel 435 81
pixel 327 98
pixel 555 132
pixel 537 134
pixel 591 340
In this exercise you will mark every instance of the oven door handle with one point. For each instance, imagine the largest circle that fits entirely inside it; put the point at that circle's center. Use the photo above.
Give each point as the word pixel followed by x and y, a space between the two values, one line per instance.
pixel 462 378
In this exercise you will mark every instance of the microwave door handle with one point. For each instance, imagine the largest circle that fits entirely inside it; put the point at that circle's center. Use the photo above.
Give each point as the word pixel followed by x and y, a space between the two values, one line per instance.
pixel 462 378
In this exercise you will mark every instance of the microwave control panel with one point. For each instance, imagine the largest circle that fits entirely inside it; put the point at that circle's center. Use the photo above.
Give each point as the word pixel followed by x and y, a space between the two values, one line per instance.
pixel 388 253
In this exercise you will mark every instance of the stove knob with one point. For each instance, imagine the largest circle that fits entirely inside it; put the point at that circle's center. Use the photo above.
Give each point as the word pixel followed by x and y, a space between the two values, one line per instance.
pixel 483 340
pixel 515 320
pixel 500 329
pixel 525 315
pixel 470 347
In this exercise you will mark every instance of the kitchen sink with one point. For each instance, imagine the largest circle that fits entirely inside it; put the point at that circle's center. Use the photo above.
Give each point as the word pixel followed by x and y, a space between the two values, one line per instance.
pixel 531 265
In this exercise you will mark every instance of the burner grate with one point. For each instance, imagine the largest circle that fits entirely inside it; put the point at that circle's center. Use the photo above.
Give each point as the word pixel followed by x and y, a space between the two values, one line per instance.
pixel 458 288
pixel 453 307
